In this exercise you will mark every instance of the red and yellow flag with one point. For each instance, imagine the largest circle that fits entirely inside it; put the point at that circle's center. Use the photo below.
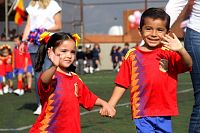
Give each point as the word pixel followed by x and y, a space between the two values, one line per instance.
pixel 20 13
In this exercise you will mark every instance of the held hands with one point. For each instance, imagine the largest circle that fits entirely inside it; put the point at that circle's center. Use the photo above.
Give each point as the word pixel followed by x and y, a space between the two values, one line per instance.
pixel 172 43
pixel 107 110
pixel 55 59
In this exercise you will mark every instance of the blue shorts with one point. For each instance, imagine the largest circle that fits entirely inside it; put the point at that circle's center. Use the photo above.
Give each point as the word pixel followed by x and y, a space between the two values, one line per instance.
pixel 161 124
pixel 9 75
pixel 2 79
pixel 29 69
pixel 19 71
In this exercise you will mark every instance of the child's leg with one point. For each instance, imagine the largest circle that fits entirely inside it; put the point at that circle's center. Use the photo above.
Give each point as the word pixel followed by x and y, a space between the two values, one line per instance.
pixel 1 85
pixel 29 77
pixel 19 91
pixel 10 77
pixel 19 81
pixel 153 125
pixel 29 80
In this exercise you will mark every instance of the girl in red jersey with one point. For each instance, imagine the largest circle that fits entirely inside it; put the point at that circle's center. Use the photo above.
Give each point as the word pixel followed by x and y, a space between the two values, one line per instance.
pixel 7 57
pixel 61 91
pixel 2 72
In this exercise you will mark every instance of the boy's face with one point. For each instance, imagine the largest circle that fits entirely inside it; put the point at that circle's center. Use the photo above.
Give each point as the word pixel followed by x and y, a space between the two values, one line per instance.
pixel 152 32
pixel 16 40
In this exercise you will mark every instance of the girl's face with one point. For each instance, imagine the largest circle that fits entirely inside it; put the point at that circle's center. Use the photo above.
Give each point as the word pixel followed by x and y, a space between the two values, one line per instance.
pixel 5 52
pixel 66 50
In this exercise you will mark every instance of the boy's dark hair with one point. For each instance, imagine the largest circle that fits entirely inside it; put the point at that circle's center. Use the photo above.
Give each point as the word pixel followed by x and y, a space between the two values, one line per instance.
pixel 126 44
pixel 55 40
pixel 18 36
pixel 155 13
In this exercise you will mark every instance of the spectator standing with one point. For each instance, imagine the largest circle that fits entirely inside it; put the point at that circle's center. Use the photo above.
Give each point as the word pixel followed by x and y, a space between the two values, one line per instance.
pixel 42 15
pixel 96 56
pixel 119 57
pixel 125 49
pixel 113 55
pixel 89 63
pixel 182 9
pixel 80 59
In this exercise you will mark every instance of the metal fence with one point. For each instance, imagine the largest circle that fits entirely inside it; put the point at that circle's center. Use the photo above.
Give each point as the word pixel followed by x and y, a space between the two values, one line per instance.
pixel 93 16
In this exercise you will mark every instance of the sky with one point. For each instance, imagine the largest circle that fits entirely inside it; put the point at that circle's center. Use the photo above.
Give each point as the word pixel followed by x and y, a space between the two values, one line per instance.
pixel 99 15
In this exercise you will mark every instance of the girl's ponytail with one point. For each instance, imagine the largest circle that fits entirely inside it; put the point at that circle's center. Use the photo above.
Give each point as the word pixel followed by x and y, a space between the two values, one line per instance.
pixel 42 51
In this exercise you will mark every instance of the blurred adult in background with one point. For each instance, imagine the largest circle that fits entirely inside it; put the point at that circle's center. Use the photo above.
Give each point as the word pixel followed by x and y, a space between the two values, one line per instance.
pixel 42 15
pixel 113 55
pixel 178 9
pixel 89 62
pixel 96 56
pixel 125 49
pixel 80 58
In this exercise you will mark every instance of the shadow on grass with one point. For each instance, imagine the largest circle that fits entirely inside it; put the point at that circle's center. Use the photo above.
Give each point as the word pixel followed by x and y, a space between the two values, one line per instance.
pixel 28 106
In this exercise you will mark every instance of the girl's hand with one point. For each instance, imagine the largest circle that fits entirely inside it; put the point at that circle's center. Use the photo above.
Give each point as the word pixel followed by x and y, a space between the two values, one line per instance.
pixel 172 43
pixel 107 110
pixel 55 59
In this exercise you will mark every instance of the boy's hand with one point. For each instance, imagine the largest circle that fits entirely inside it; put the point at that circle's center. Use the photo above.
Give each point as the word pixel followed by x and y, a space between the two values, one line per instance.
pixel 172 43
pixel 55 59
pixel 107 110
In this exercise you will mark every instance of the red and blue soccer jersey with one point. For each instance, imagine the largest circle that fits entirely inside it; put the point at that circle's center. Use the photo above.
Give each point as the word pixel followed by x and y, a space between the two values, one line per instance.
pixel 152 79
pixel 2 66
pixel 28 56
pixel 19 59
pixel 61 101
pixel 9 66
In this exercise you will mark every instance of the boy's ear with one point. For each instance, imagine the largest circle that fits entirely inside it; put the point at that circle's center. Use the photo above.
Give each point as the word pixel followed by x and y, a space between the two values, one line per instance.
pixel 140 31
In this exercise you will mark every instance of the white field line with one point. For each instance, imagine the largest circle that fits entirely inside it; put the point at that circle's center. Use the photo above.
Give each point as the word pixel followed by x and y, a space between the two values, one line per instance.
pixel 83 113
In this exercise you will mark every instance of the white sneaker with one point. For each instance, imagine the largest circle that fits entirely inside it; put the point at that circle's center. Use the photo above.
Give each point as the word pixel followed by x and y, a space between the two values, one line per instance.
pixel 10 90
pixel 5 89
pixel 17 91
pixel 38 110
pixel 1 92
pixel 21 92
pixel 91 70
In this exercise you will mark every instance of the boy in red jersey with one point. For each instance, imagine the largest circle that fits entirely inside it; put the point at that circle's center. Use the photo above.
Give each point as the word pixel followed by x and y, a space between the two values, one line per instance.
pixel 19 61
pixel 150 72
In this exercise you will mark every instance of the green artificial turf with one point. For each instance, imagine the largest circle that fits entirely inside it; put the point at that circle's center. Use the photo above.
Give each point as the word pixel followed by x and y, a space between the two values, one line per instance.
pixel 16 113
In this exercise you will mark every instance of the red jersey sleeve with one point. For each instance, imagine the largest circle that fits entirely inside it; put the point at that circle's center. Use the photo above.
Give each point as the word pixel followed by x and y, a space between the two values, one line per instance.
pixel 177 63
pixel 86 98
pixel 123 77
pixel 44 90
